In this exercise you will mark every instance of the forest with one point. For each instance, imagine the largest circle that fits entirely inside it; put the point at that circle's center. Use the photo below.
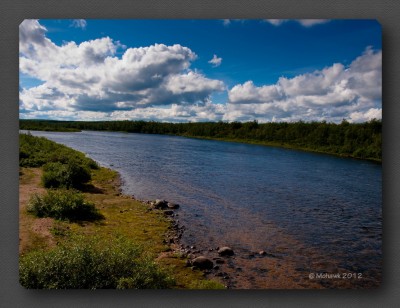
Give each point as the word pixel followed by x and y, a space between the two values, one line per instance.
pixel 356 140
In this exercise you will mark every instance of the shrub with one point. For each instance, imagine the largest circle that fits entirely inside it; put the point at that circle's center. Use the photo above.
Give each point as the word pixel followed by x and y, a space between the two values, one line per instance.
pixel 37 151
pixel 83 263
pixel 71 174
pixel 56 175
pixel 64 205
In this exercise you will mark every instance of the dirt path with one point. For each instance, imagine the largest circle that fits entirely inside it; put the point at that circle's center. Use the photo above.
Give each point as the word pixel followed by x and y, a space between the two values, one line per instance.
pixel 33 232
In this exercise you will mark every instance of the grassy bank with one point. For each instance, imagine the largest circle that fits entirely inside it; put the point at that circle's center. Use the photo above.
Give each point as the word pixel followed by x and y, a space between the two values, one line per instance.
pixel 125 239
pixel 327 151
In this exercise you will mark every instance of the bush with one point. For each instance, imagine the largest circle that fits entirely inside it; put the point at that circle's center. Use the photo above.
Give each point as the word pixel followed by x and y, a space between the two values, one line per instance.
pixel 83 263
pixel 56 175
pixel 71 174
pixel 37 151
pixel 64 205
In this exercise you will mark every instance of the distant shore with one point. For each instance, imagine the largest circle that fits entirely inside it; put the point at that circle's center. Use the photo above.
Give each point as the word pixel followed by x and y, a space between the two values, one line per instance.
pixel 348 140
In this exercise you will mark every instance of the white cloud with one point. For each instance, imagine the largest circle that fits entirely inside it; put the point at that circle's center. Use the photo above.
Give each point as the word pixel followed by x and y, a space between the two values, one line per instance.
pixel 226 22
pixel 89 77
pixel 88 81
pixel 312 22
pixel 248 93
pixel 333 93
pixel 79 23
pixel 276 22
pixel 175 113
pixel 215 61
pixel 303 22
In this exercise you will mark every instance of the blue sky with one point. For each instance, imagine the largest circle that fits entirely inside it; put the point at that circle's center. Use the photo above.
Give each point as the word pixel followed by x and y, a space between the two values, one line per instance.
pixel 265 70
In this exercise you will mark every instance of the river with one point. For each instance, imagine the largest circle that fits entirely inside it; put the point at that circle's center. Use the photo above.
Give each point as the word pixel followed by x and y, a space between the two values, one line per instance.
pixel 312 214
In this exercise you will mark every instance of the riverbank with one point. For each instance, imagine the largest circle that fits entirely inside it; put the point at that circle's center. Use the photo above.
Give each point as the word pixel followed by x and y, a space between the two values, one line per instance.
pixel 285 146
pixel 123 216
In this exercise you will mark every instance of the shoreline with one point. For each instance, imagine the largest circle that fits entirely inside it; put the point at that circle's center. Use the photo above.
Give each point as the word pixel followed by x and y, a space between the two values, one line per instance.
pixel 173 238
pixel 120 212
pixel 284 146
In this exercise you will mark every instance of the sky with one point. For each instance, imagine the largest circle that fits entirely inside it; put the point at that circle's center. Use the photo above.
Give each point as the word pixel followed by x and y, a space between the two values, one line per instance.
pixel 272 70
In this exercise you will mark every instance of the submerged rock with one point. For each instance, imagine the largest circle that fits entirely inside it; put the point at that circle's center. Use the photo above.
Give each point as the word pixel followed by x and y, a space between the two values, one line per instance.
pixel 219 261
pixel 168 212
pixel 203 263
pixel 173 206
pixel 225 251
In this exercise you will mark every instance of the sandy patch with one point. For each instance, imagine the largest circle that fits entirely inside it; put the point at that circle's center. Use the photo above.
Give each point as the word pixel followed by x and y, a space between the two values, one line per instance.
pixel 32 231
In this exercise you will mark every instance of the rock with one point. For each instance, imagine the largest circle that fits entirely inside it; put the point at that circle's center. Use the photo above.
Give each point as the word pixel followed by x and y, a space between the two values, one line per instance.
pixel 219 261
pixel 216 267
pixel 160 204
pixel 168 212
pixel 172 205
pixel 262 253
pixel 225 251
pixel 203 263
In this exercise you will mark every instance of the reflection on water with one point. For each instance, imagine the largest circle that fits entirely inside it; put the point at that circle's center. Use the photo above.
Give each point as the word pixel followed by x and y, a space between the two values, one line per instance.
pixel 308 212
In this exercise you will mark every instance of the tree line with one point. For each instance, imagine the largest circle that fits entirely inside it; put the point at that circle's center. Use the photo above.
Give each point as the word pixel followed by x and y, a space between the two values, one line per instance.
pixel 357 140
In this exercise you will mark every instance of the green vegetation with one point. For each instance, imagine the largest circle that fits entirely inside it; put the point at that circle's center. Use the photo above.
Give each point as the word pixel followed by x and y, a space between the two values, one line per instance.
pixel 37 151
pixel 63 167
pixel 92 263
pixel 72 174
pixel 93 238
pixel 64 205
pixel 358 140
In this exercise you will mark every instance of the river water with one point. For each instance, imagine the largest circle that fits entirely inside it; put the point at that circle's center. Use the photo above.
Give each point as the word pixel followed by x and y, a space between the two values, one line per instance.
pixel 317 217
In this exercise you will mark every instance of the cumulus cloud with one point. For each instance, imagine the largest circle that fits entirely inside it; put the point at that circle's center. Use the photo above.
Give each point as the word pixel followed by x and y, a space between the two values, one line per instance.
pixel 333 93
pixel 249 93
pixel 88 81
pixel 303 22
pixel 175 113
pixel 215 61
pixel 79 23
pixel 88 76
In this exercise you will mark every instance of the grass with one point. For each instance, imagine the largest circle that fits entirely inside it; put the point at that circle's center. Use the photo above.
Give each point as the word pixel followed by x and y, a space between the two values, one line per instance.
pixel 125 218
pixel 63 204
pixel 92 263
